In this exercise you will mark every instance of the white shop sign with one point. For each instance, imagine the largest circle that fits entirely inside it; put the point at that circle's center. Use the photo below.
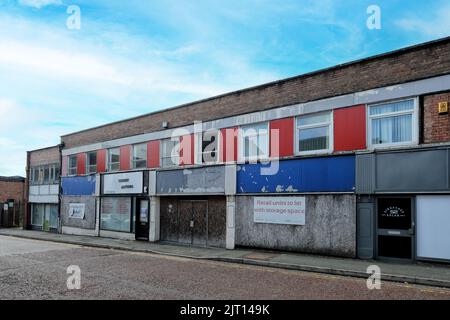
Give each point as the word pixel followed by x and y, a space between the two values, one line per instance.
pixel 123 183
pixel 77 210
pixel 279 210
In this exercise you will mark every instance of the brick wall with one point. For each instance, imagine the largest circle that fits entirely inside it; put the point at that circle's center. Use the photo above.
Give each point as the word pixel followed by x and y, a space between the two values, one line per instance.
pixel 11 190
pixel 419 62
pixel 436 127
pixel 44 156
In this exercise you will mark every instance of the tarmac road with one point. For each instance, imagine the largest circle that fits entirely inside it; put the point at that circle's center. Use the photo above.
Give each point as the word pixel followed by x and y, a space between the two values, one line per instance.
pixel 32 269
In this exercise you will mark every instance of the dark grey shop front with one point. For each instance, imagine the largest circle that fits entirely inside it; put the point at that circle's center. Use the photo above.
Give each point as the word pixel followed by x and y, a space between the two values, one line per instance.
pixel 403 204
pixel 193 206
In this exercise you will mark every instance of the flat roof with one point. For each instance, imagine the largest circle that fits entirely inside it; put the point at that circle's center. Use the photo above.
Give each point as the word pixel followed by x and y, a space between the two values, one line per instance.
pixel 12 179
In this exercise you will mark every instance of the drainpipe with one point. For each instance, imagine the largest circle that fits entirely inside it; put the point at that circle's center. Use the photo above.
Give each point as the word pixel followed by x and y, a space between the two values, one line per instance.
pixel 26 207
pixel 60 147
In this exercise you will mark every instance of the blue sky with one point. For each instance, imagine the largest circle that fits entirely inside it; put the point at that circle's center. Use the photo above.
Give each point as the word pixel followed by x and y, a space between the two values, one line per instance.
pixel 133 57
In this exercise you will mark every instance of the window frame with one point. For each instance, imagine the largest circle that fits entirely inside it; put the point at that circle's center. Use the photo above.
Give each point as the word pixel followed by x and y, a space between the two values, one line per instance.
pixel 162 157
pixel 241 145
pixel 88 165
pixel 199 147
pixel 329 123
pixel 109 162
pixel 414 124
pixel 133 162
pixel 69 168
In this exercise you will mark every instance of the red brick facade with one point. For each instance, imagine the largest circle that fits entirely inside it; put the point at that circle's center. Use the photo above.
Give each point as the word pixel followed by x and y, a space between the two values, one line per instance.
pixel 11 190
pixel 436 127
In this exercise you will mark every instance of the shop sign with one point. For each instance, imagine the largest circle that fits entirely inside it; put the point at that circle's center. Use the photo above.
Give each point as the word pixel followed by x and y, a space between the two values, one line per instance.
pixel 123 183
pixel 279 210
pixel 77 210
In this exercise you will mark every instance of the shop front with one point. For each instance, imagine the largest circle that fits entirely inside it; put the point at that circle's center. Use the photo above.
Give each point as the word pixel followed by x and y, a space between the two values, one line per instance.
pixel 403 205
pixel 305 205
pixel 44 207
pixel 79 205
pixel 125 206
pixel 193 205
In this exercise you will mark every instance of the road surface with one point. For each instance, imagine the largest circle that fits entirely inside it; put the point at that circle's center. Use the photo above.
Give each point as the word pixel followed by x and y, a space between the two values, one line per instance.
pixel 32 269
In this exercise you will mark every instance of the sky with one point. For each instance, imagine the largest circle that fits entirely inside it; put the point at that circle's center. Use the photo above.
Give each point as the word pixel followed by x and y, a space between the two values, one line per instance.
pixel 133 57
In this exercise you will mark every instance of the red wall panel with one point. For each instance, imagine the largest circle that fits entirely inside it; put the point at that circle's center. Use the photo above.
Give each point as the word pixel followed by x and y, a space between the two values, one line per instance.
pixel 153 154
pixel 81 164
pixel 125 157
pixel 228 144
pixel 101 161
pixel 350 128
pixel 282 137
pixel 187 150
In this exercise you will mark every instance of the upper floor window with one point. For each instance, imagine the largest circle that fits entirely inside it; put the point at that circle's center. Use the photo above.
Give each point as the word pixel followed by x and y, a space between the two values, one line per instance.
pixel 393 123
pixel 140 156
pixel 114 159
pixel 72 166
pixel 46 174
pixel 314 133
pixel 170 153
pixel 209 145
pixel 254 142
pixel 91 162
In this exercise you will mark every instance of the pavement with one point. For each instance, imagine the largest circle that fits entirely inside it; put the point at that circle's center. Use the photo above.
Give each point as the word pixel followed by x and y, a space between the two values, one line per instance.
pixel 428 274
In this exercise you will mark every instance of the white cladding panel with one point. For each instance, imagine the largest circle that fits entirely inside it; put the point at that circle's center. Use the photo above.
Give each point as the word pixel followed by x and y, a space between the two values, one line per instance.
pixel 433 227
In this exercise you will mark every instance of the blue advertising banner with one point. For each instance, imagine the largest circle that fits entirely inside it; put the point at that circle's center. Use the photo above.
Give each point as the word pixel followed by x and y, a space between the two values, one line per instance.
pixel 327 174
pixel 78 186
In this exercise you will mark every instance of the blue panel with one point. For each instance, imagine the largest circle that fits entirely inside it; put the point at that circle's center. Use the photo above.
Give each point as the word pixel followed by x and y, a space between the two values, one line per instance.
pixel 329 174
pixel 78 186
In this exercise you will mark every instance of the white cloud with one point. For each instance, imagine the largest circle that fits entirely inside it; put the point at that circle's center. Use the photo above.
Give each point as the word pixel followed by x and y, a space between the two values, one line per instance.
pixel 39 3
pixel 436 25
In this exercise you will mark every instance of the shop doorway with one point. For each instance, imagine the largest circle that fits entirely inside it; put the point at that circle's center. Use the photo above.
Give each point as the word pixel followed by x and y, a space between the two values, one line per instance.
pixel 196 222
pixel 142 219
pixel 395 228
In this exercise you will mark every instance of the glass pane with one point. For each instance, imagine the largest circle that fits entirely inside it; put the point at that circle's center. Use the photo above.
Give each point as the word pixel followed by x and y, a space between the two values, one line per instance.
pixel 392 107
pixel 263 145
pixel 53 216
pixel 140 164
pixel 36 175
pixel 313 139
pixel 255 141
pixel 116 214
pixel 46 175
pixel 313 119
pixel 73 162
pixel 37 215
pixel 140 156
pixel 209 147
pixel 255 129
pixel 92 159
pixel 395 247
pixel 114 166
pixel 392 129
pixel 57 174
pixel 170 153
pixel 394 213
